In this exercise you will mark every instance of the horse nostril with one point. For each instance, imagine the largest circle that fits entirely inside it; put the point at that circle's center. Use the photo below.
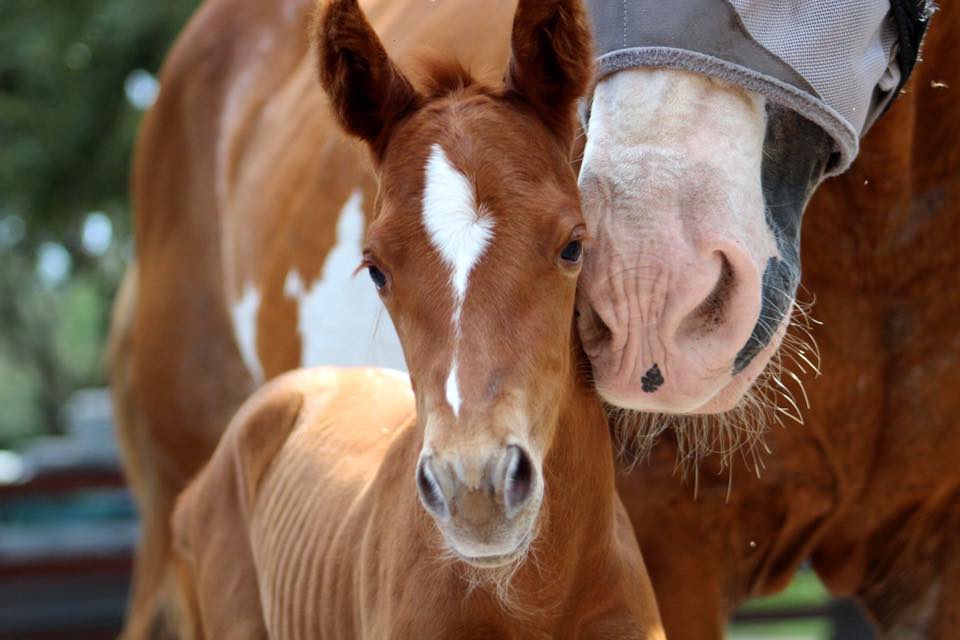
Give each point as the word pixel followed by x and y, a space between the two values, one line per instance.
pixel 431 495
pixel 518 484
pixel 604 334
pixel 714 311
pixel 714 307
pixel 594 331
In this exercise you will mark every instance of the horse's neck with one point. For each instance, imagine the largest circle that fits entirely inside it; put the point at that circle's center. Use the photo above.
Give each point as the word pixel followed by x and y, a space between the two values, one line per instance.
pixel 883 223
pixel 857 216
pixel 579 468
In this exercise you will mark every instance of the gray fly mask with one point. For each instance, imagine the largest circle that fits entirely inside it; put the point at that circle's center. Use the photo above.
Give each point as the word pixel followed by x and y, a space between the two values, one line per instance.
pixel 837 63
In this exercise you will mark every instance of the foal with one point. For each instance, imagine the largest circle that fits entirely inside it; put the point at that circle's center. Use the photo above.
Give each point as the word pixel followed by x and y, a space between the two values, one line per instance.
pixel 481 503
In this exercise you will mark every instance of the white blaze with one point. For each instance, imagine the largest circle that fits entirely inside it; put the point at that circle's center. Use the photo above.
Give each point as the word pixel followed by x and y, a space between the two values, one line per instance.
pixel 452 389
pixel 460 233
pixel 244 316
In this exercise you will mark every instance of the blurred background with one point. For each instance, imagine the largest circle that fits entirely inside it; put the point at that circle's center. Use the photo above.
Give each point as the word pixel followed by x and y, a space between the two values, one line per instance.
pixel 75 78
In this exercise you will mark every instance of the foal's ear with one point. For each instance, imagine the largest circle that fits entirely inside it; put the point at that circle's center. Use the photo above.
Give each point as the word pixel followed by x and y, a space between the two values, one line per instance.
pixel 368 92
pixel 551 64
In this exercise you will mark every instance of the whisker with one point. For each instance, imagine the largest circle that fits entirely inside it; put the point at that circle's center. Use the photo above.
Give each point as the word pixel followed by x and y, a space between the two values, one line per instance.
pixel 737 434
pixel 799 382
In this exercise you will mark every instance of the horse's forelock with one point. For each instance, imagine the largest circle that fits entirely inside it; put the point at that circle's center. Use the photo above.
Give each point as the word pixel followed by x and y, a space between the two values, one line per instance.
pixel 438 77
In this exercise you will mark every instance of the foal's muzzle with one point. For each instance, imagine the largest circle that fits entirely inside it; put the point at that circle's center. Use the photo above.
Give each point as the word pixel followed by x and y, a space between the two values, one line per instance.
pixel 486 507
pixel 505 486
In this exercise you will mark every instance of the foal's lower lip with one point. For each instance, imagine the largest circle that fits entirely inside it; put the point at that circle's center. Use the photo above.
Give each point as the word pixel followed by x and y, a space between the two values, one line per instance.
pixel 489 562
pixel 492 562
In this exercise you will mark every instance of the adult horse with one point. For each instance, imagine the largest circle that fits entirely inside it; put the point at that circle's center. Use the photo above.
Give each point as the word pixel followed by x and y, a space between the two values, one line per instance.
pixel 868 488
pixel 250 208
pixel 475 251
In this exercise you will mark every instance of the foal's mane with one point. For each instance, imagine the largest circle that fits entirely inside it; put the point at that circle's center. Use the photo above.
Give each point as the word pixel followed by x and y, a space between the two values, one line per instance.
pixel 438 77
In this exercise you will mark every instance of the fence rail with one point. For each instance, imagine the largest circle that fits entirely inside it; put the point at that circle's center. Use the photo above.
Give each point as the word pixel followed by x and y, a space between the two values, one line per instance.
pixel 62 593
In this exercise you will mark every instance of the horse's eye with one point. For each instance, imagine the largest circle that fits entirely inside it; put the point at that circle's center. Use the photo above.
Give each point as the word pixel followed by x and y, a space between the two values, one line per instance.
pixel 572 252
pixel 379 280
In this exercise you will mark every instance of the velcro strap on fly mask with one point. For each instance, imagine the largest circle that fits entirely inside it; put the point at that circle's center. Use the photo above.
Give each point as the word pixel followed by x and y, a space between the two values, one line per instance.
pixel 838 63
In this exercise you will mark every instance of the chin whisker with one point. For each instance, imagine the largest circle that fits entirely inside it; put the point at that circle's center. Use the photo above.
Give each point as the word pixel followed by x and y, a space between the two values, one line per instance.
pixel 499 582
pixel 737 433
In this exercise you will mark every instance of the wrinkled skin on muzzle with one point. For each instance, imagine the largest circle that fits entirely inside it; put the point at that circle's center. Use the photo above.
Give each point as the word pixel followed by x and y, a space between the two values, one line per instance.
pixel 693 192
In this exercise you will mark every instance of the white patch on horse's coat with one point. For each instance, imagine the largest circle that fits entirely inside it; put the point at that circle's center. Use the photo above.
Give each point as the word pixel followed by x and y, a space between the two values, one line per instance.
pixel 340 318
pixel 460 233
pixel 244 316
pixel 293 286
pixel 453 389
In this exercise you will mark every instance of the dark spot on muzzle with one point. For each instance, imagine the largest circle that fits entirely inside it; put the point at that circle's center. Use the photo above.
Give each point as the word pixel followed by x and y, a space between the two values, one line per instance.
pixel 780 281
pixel 795 155
pixel 652 379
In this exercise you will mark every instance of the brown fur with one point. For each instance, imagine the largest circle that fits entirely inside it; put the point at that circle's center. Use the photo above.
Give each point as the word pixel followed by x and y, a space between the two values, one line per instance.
pixel 334 544
pixel 309 511
pixel 599 587
pixel 216 579
pixel 868 485
pixel 370 104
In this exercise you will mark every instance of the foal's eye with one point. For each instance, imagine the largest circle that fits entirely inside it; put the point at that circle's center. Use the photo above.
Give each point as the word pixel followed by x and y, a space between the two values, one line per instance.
pixel 572 252
pixel 379 280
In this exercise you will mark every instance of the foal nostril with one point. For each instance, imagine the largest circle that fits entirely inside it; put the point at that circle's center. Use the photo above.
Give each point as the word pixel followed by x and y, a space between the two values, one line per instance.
pixel 518 480
pixel 431 495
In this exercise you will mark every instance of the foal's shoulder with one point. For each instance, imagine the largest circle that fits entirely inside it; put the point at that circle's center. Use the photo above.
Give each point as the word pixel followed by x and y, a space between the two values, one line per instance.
pixel 310 413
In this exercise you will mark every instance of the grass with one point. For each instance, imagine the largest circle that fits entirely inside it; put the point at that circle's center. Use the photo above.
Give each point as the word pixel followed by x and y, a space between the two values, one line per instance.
pixel 804 591
pixel 787 630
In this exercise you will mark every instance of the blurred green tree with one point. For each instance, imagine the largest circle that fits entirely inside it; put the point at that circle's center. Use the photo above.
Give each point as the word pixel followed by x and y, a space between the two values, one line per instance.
pixel 75 77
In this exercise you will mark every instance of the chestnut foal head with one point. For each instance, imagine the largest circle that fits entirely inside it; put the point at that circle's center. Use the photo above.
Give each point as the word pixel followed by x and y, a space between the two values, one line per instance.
pixel 475 250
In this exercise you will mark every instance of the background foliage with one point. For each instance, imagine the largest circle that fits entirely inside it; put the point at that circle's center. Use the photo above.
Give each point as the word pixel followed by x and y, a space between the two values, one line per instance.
pixel 75 76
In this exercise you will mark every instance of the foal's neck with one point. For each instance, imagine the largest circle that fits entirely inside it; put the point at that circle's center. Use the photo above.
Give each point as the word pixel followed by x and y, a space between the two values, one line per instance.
pixel 576 533
pixel 579 469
